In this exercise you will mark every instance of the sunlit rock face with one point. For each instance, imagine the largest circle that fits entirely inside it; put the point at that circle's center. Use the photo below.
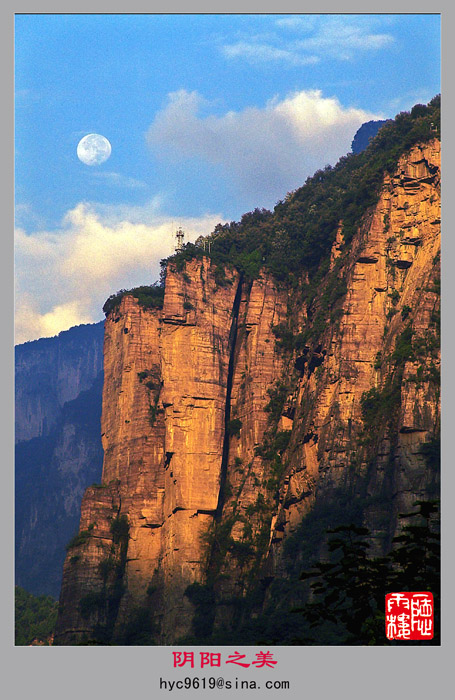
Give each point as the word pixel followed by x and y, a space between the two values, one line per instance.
pixel 190 398
pixel 384 298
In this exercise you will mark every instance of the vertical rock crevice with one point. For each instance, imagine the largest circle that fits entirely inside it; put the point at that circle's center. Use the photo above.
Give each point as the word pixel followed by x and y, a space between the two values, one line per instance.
pixel 227 410
pixel 205 461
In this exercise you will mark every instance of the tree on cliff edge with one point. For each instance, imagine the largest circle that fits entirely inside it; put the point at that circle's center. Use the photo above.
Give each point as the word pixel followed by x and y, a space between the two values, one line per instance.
pixel 348 591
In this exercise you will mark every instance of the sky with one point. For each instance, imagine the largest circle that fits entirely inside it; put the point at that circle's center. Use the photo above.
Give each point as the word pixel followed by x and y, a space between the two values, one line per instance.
pixel 208 117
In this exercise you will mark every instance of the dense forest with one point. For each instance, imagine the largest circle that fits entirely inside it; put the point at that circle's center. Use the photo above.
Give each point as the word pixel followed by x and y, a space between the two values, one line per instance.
pixel 297 236
pixel 35 618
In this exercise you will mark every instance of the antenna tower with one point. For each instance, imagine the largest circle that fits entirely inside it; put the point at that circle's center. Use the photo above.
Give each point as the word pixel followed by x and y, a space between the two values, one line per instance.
pixel 179 236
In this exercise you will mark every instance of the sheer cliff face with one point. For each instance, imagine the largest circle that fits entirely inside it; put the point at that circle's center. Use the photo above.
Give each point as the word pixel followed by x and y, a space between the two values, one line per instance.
pixel 52 473
pixel 58 451
pixel 163 426
pixel 218 442
pixel 386 342
pixel 52 371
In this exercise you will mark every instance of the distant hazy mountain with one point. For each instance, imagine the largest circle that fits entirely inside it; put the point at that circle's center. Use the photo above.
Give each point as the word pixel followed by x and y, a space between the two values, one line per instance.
pixel 367 131
pixel 59 385
pixel 50 372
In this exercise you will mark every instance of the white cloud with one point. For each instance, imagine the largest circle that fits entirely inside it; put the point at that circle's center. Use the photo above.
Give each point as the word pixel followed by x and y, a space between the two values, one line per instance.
pixel 300 22
pixel 63 277
pixel 265 151
pixel 119 180
pixel 31 324
pixel 257 53
pixel 25 216
pixel 338 37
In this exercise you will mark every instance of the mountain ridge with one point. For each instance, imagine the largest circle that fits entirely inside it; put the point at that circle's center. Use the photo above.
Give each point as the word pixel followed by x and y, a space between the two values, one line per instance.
pixel 58 448
pixel 284 382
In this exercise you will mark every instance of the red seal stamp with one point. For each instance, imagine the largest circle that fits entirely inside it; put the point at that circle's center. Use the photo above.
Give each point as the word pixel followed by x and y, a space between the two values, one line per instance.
pixel 409 616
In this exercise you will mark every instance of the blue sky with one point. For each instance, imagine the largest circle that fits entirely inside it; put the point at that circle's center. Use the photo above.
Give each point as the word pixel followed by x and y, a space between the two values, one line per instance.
pixel 208 116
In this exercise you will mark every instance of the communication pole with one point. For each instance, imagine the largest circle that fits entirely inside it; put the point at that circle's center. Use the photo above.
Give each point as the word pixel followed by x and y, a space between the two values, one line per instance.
pixel 179 236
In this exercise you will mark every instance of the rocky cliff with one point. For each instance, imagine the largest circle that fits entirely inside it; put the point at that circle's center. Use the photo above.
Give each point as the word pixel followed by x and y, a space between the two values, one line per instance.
pixel 241 407
pixel 365 411
pixel 51 371
pixel 58 451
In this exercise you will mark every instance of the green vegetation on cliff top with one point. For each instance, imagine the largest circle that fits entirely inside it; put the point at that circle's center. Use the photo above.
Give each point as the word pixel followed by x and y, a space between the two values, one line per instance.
pixel 299 233
pixel 149 297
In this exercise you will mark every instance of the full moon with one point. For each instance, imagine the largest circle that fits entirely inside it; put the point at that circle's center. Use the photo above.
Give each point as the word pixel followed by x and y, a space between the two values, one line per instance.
pixel 93 149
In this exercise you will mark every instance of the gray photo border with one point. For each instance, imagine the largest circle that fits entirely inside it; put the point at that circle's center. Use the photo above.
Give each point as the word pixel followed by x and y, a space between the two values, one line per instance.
pixel 320 672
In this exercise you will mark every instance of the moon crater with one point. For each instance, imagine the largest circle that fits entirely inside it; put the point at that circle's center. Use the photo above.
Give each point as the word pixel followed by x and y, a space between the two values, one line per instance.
pixel 93 149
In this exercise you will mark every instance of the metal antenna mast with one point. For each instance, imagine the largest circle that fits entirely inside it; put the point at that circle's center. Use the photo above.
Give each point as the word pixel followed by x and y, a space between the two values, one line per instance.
pixel 179 236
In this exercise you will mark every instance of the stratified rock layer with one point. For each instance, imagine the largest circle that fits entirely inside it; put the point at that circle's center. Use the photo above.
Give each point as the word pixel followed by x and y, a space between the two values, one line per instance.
pixel 218 441
pixel 163 425
pixel 392 274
